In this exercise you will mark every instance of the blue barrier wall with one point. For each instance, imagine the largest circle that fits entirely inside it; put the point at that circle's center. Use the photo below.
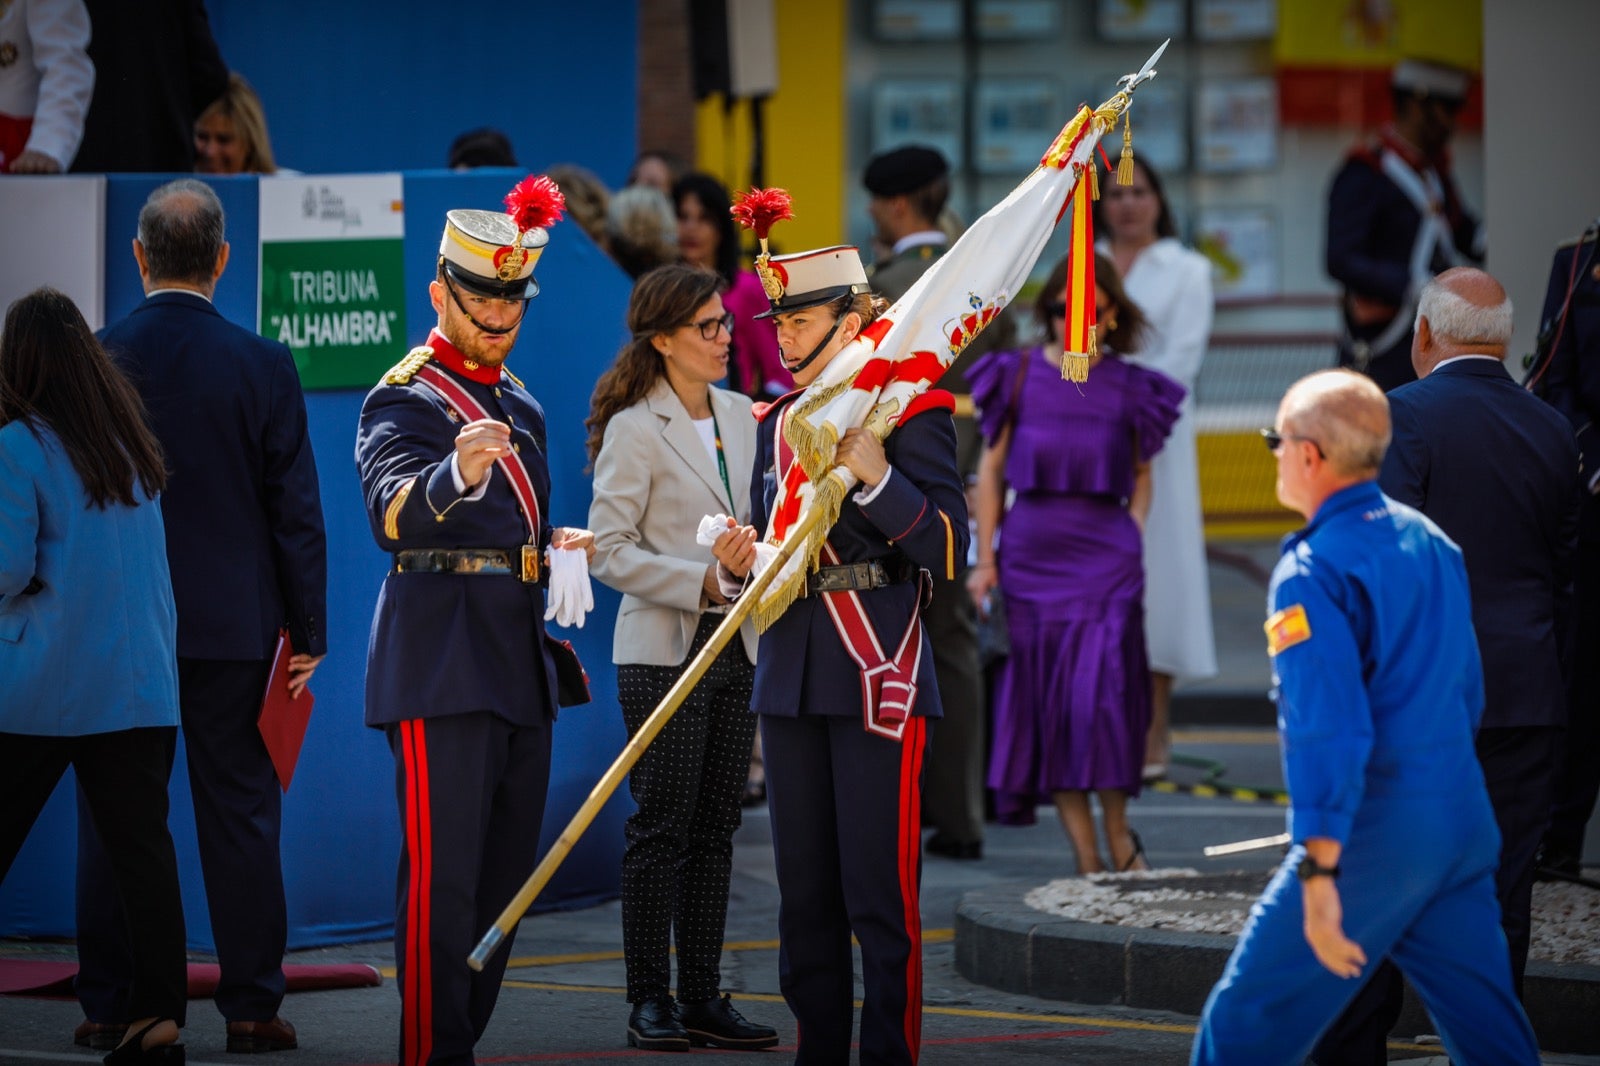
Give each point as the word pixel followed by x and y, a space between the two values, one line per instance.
pixel 341 835
pixel 366 85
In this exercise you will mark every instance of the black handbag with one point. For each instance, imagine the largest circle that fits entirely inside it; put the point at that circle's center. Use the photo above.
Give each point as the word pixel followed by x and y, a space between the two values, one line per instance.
pixel 572 681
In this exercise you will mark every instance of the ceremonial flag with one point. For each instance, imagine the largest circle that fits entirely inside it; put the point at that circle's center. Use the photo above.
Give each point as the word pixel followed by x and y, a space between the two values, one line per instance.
pixel 904 351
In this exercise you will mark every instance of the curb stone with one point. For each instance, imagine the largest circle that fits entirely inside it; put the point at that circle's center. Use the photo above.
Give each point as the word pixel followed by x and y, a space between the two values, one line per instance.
pixel 1001 942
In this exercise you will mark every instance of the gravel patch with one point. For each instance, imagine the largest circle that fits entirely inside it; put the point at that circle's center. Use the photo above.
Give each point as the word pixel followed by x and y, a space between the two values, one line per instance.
pixel 1566 917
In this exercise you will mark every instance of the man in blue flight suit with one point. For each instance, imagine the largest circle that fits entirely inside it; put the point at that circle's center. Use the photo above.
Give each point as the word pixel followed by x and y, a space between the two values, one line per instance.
pixel 1379 692
pixel 844 778
pixel 1568 376
pixel 451 452
pixel 1395 219
pixel 248 554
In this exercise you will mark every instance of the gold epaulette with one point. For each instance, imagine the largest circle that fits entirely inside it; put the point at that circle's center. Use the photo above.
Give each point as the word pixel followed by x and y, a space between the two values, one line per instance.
pixel 402 372
pixel 1583 238
pixel 514 379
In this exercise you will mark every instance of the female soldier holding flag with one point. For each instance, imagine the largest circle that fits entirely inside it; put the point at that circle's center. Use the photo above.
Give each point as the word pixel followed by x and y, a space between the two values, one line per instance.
pixel 844 682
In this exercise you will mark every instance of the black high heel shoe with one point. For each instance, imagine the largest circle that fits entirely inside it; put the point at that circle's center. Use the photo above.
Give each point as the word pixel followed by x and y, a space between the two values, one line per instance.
pixel 132 1051
pixel 1138 853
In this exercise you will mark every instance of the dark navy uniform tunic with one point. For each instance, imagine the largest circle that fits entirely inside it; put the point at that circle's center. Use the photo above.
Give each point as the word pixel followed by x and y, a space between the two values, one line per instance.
pixel 1572 384
pixel 1379 692
pixel 846 803
pixel 1371 234
pixel 458 678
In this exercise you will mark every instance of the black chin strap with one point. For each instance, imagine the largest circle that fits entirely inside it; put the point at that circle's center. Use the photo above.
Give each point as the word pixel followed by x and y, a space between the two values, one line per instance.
pixel 815 351
pixel 487 329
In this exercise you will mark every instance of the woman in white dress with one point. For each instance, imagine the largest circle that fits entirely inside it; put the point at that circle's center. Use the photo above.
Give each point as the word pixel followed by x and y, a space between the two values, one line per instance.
pixel 1171 284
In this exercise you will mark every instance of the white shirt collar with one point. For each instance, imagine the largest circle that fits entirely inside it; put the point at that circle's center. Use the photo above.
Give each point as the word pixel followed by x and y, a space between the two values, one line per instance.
pixel 187 292
pixel 1459 358
pixel 918 239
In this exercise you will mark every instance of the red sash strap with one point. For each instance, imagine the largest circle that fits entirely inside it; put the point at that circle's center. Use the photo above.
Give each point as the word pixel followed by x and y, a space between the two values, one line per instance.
pixel 510 464
pixel 888 686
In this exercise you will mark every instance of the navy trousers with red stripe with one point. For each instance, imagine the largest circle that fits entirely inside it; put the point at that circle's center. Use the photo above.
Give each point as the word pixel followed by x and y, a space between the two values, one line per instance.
pixel 471 789
pixel 846 808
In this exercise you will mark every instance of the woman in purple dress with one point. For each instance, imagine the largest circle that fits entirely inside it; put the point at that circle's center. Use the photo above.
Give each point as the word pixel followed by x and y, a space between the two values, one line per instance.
pixel 1072 702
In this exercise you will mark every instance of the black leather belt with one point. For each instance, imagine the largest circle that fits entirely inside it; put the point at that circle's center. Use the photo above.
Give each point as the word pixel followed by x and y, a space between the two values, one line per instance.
pixel 521 564
pixel 871 574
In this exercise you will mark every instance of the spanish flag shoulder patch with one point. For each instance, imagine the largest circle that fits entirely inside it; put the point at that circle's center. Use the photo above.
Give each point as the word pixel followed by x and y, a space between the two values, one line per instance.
pixel 1287 628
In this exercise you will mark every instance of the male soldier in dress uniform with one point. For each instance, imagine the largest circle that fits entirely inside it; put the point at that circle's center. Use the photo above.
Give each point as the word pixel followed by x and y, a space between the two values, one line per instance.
pixel 451 451
pixel 1395 219
pixel 1568 376
pixel 1379 692
pixel 909 187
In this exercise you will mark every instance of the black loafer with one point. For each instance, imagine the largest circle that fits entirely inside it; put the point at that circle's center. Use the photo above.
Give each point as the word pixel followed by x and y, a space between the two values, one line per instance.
pixel 716 1023
pixel 652 1026
pixel 953 849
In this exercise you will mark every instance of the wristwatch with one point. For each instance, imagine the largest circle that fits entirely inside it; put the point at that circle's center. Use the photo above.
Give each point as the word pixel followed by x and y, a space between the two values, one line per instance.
pixel 1308 869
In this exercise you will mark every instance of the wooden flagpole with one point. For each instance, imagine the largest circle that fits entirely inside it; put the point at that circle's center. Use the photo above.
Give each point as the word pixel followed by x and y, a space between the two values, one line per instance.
pixel 636 745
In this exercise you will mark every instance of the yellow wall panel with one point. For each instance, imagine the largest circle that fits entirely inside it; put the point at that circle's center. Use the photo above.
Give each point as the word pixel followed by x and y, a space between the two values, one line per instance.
pixel 805 126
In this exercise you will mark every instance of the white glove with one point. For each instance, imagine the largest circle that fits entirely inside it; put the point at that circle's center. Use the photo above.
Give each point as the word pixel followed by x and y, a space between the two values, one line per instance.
pixel 713 526
pixel 570 597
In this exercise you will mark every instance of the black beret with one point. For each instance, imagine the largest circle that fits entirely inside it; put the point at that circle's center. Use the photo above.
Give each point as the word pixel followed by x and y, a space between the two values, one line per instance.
pixel 903 170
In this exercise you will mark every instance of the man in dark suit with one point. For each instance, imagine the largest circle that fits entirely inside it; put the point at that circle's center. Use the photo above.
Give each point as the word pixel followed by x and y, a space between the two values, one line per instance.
pixel 1497 470
pixel 248 556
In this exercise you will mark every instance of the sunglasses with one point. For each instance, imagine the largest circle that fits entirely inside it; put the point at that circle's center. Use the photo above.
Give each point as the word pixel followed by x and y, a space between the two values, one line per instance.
pixel 1274 440
pixel 708 327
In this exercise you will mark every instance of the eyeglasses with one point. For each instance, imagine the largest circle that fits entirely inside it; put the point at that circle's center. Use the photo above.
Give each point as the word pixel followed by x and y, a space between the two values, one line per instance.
pixel 708 327
pixel 1274 440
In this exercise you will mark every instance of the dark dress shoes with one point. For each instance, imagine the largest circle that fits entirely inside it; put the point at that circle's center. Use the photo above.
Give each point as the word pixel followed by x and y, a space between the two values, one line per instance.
pixel 938 844
pixel 101 1036
pixel 715 1022
pixel 250 1037
pixel 652 1026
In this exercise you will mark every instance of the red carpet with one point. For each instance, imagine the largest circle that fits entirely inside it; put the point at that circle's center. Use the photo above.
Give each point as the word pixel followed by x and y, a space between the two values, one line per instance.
pixel 39 977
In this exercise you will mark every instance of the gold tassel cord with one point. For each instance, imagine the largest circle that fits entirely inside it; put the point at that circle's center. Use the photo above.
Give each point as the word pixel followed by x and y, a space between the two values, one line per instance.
pixel 1125 163
pixel 1093 173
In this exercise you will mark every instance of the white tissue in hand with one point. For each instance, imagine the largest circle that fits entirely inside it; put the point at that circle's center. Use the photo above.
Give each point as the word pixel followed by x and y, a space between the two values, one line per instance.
pixel 712 526
pixel 570 597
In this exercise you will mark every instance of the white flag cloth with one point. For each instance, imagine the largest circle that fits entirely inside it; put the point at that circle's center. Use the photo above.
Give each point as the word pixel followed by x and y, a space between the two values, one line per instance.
pixel 903 352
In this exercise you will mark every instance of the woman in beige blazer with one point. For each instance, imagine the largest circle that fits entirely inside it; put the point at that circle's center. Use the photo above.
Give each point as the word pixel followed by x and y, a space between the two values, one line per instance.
pixel 668 448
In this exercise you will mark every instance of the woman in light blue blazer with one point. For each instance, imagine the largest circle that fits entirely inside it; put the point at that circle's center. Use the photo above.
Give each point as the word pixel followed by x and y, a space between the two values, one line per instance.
pixel 669 448
pixel 88 657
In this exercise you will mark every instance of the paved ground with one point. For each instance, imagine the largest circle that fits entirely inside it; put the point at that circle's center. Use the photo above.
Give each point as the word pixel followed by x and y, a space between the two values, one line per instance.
pixel 563 1000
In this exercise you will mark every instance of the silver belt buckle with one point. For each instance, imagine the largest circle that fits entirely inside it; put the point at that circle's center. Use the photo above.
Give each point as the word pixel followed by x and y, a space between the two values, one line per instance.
pixel 530 564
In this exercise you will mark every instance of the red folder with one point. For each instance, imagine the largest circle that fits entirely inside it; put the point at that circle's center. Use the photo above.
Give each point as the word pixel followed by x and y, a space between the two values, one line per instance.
pixel 284 719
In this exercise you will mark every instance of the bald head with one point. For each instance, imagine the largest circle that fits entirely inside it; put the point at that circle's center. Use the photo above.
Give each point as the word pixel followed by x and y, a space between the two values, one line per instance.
pixel 1463 311
pixel 1345 413
pixel 1335 429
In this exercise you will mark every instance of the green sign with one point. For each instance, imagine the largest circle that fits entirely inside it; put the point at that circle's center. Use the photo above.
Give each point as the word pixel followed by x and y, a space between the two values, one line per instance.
pixel 338 305
pixel 332 274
